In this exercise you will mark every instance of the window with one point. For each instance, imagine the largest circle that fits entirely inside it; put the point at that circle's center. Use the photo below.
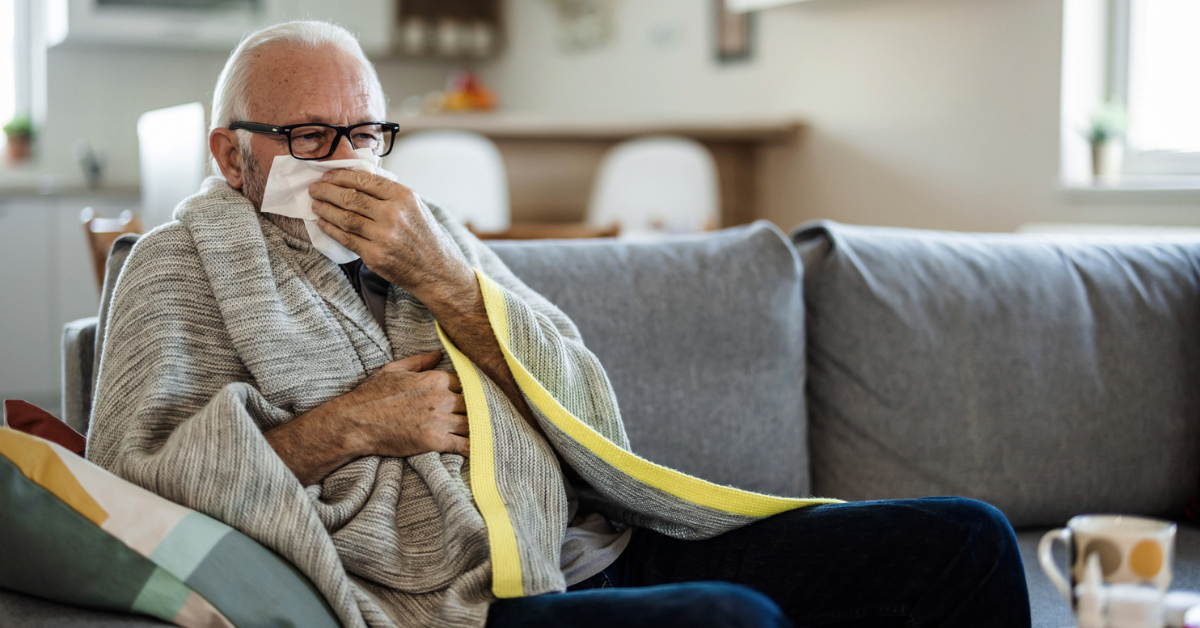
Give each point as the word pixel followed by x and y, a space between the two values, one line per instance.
pixel 1155 62
pixel 23 61
pixel 8 63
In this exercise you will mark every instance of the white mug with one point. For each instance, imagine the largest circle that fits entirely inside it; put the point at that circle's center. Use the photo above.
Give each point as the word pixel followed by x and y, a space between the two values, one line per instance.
pixel 1132 550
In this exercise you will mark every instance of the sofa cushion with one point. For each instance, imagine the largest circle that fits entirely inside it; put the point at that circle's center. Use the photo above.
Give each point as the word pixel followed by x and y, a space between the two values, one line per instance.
pixel 73 532
pixel 703 340
pixel 26 417
pixel 1049 376
pixel 26 611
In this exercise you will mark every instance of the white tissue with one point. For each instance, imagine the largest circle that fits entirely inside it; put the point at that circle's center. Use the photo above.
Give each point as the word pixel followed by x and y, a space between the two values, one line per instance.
pixel 286 194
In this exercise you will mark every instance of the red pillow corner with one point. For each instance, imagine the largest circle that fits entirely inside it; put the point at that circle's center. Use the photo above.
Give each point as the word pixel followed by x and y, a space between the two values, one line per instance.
pixel 26 417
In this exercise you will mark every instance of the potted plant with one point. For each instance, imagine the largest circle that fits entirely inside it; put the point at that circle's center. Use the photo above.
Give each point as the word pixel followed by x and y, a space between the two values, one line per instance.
pixel 1106 128
pixel 19 131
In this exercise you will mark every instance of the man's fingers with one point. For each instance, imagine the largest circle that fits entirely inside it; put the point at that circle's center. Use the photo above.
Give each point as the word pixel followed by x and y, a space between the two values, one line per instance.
pixel 459 445
pixel 460 405
pixel 455 385
pixel 344 220
pixel 349 198
pixel 372 184
pixel 420 362
pixel 348 240
pixel 461 426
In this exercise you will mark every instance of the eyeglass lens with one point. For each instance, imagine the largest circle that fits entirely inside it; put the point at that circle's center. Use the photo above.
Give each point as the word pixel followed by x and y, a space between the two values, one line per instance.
pixel 315 142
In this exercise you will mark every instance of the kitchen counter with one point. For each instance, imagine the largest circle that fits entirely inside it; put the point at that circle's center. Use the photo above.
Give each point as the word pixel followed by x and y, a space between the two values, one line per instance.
pixel 552 161
pixel 516 126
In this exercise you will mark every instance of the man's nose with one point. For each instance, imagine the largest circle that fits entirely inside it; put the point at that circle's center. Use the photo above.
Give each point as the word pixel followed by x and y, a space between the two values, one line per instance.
pixel 344 149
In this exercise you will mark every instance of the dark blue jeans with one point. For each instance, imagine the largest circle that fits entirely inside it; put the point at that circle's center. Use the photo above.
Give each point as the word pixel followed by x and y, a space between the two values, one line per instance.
pixel 942 561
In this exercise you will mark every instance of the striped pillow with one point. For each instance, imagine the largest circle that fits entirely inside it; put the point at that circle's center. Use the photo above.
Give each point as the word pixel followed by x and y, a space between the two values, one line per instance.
pixel 72 532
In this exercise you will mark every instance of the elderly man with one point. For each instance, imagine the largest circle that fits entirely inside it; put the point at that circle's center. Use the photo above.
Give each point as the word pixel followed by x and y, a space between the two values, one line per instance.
pixel 427 439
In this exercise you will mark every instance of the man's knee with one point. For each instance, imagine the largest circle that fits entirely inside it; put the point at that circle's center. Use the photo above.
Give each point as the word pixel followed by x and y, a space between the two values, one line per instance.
pixel 984 519
pixel 726 605
pixel 988 530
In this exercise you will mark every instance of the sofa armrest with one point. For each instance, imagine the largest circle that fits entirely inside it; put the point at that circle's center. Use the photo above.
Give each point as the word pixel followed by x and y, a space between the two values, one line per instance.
pixel 78 349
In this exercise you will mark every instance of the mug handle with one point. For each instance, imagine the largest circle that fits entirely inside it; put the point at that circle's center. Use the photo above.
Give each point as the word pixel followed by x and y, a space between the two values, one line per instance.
pixel 1046 558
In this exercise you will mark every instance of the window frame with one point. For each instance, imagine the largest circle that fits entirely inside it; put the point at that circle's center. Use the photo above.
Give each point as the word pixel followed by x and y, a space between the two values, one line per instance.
pixel 1137 161
pixel 29 63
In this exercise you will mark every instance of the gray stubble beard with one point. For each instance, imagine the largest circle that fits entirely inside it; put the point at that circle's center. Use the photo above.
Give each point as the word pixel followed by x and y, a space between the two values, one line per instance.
pixel 253 182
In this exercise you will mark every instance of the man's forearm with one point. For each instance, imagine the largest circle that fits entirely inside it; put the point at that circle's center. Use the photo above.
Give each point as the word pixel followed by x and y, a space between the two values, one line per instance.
pixel 460 311
pixel 313 445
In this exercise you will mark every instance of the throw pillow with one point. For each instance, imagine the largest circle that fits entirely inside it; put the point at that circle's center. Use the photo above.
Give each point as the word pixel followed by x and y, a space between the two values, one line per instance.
pixel 26 417
pixel 72 532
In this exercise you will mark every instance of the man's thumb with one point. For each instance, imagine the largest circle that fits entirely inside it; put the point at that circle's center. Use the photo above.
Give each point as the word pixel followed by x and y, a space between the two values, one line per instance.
pixel 420 362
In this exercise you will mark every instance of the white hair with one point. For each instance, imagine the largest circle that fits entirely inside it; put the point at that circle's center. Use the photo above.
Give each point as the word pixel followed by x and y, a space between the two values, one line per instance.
pixel 229 98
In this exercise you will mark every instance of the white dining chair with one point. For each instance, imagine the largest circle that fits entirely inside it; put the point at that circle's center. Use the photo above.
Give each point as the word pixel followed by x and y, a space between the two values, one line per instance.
pixel 462 172
pixel 173 151
pixel 656 185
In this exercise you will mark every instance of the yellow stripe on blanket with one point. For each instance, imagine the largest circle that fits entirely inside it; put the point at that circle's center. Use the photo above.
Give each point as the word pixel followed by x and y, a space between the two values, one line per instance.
pixel 506 560
pixel 681 485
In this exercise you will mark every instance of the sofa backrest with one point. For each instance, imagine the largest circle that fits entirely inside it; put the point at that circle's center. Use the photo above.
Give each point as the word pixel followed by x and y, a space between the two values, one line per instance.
pixel 82 340
pixel 702 337
pixel 703 340
pixel 1049 376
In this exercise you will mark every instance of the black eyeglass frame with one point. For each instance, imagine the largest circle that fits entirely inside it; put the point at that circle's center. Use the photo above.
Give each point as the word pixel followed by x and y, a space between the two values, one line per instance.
pixel 342 131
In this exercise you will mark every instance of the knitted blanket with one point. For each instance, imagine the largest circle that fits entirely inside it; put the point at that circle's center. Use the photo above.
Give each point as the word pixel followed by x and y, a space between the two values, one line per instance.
pixel 223 326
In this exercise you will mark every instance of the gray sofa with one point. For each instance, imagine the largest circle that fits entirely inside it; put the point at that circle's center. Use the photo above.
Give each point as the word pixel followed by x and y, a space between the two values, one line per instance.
pixel 1047 376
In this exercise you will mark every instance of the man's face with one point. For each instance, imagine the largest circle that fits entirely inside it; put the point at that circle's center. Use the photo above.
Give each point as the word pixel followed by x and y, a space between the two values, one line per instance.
pixel 292 84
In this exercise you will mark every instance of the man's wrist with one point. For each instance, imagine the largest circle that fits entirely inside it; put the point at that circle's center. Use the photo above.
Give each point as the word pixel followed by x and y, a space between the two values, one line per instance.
pixel 451 295
pixel 342 436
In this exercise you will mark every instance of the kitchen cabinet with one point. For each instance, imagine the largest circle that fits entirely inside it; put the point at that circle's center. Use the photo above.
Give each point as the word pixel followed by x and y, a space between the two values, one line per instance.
pixel 46 280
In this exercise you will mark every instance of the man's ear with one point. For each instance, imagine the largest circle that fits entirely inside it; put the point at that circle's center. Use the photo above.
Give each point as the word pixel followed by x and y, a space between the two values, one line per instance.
pixel 223 143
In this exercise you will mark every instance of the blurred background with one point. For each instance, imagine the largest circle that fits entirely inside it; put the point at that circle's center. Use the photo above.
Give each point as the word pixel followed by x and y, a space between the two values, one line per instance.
pixel 633 118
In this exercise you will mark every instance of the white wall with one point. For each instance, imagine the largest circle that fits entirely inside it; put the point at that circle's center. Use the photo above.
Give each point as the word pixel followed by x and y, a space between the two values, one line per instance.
pixel 97 93
pixel 924 113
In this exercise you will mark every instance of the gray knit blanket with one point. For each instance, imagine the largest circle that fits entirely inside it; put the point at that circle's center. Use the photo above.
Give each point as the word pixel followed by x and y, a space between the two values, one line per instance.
pixel 223 326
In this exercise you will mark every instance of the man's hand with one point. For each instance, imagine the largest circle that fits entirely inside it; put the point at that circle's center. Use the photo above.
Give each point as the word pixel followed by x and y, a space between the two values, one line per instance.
pixel 394 233
pixel 404 409
pixel 398 238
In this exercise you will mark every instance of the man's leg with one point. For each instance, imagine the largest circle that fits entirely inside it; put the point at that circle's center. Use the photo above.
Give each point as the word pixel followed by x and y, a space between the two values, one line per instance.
pixel 691 605
pixel 926 562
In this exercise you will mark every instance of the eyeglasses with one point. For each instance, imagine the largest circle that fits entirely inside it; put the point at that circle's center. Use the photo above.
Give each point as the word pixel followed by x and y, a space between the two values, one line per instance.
pixel 317 141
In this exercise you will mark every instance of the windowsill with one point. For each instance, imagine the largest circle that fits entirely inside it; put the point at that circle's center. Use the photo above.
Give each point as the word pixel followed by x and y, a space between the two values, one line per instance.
pixel 1158 189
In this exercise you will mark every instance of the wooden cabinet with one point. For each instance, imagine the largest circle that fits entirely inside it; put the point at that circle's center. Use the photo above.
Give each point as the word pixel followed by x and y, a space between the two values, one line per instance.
pixel 46 280
pixel 448 28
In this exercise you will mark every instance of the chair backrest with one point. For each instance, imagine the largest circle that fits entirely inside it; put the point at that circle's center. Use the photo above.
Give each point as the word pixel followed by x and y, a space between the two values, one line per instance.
pixel 173 150
pixel 101 232
pixel 460 171
pixel 656 184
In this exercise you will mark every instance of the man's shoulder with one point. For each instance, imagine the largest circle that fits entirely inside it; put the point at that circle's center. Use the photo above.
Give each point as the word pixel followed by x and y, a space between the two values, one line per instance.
pixel 166 251
pixel 170 240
